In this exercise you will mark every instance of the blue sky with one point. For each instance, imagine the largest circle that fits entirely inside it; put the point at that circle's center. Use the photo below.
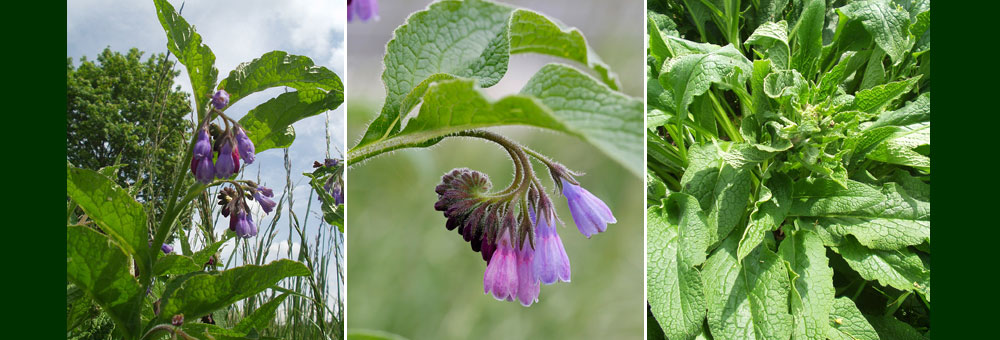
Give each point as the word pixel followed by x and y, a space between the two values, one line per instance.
pixel 236 31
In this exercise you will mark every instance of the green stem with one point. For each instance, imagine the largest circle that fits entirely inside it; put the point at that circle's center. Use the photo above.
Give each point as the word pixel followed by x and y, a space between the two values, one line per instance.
pixel 723 117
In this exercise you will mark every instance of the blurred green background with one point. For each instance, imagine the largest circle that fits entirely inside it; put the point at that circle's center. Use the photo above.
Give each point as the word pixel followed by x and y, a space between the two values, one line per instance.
pixel 408 275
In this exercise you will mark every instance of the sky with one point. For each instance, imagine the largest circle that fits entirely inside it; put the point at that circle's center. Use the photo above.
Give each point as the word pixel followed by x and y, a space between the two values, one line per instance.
pixel 236 31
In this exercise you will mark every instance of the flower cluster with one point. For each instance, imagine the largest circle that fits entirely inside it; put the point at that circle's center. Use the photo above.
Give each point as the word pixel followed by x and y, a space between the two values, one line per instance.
pixel 515 229
pixel 364 9
pixel 234 205
pixel 333 179
pixel 225 147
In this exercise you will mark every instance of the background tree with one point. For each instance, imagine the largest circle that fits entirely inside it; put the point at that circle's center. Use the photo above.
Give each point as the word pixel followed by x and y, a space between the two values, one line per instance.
pixel 122 110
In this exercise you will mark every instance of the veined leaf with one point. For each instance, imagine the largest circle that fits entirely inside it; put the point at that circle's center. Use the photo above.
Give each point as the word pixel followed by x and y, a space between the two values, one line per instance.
pixel 873 100
pixel 772 39
pixel 769 211
pixel 823 197
pixel 558 97
pixel 722 190
pixel 205 293
pixel 260 317
pixel 278 68
pixel 197 58
pixel 98 265
pixel 113 209
pixel 901 268
pixel 889 327
pixel 467 39
pixel 847 322
pixel 691 75
pixel 812 284
pixel 808 38
pixel 677 242
pixel 887 24
pixel 747 300
pixel 269 125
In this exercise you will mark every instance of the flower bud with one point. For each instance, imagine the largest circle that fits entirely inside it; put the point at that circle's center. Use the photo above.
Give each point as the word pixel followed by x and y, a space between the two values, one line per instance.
pixel 220 99
pixel 244 145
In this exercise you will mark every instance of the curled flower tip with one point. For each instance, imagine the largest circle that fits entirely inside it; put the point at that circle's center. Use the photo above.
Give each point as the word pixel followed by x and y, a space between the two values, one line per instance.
pixel 500 278
pixel 527 283
pixel 266 203
pixel 364 9
pixel 201 158
pixel 550 263
pixel 220 99
pixel 266 191
pixel 591 215
pixel 229 161
pixel 245 146
pixel 242 224
pixel 166 248
pixel 330 162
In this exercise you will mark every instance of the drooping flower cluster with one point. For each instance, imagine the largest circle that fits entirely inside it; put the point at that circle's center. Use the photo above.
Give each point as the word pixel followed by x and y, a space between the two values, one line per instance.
pixel 363 9
pixel 234 205
pixel 515 229
pixel 331 174
pixel 225 147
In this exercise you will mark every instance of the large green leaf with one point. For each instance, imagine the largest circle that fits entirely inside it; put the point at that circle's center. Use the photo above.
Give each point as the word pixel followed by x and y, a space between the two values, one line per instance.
pixel 262 316
pixel 278 68
pixel 812 284
pixel 897 220
pixel 772 40
pixel 875 99
pixel 747 300
pixel 269 125
pixel 722 190
pixel 469 39
pixel 769 212
pixel 691 75
pixel 889 327
pixel 113 209
pixel 204 293
pixel 97 265
pixel 186 45
pixel 822 197
pixel 808 38
pixel 558 97
pixel 887 23
pixel 901 268
pixel 847 322
pixel 677 239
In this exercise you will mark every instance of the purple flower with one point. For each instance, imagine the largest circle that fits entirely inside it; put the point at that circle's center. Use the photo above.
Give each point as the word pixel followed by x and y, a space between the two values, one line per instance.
pixel 261 196
pixel 501 273
pixel 364 9
pixel 245 146
pixel 220 99
pixel 330 162
pixel 591 215
pixel 551 262
pixel 527 283
pixel 338 193
pixel 201 158
pixel 242 224
pixel 229 161
pixel 166 248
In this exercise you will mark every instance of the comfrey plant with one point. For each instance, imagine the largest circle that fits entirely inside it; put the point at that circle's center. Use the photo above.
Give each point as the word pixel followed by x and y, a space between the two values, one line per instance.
pixel 328 183
pixel 111 246
pixel 789 169
pixel 440 59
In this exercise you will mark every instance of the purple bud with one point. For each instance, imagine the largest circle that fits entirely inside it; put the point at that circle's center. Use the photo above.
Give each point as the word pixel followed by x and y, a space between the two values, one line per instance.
pixel 203 169
pixel 220 99
pixel 227 165
pixel 527 283
pixel 266 204
pixel 551 262
pixel 242 224
pixel 166 248
pixel 338 193
pixel 203 144
pixel 364 9
pixel 245 146
pixel 330 163
pixel 591 215
pixel 501 272
pixel 265 191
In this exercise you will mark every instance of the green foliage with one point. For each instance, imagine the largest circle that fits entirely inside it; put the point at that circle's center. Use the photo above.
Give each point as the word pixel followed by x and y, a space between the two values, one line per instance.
pixel 123 111
pixel 443 56
pixel 791 179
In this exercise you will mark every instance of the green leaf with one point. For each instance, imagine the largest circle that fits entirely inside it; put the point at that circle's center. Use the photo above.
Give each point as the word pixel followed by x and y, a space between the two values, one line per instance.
pixel 269 125
pixel 768 213
pixel 262 316
pixel 466 39
pixel 691 75
pixel 900 148
pixel 722 190
pixel 807 38
pixel 890 328
pixel 677 241
pixel 901 268
pixel 887 24
pixel 822 197
pixel 812 283
pixel 873 100
pixel 97 265
pixel 748 300
pixel 786 86
pixel 368 334
pixel 558 97
pixel 278 68
pixel 772 39
pixel 898 220
pixel 113 209
pixel 847 322
pixel 186 45
pixel 174 264
pixel 915 111
pixel 204 293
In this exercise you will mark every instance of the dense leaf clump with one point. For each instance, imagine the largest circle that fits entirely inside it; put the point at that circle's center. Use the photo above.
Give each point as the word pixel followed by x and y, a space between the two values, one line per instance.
pixel 789 169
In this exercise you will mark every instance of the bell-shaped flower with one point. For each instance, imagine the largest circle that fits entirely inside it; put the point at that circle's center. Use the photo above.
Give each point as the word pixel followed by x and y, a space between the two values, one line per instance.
pixel 244 145
pixel 591 215
pixel 229 161
pixel 500 278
